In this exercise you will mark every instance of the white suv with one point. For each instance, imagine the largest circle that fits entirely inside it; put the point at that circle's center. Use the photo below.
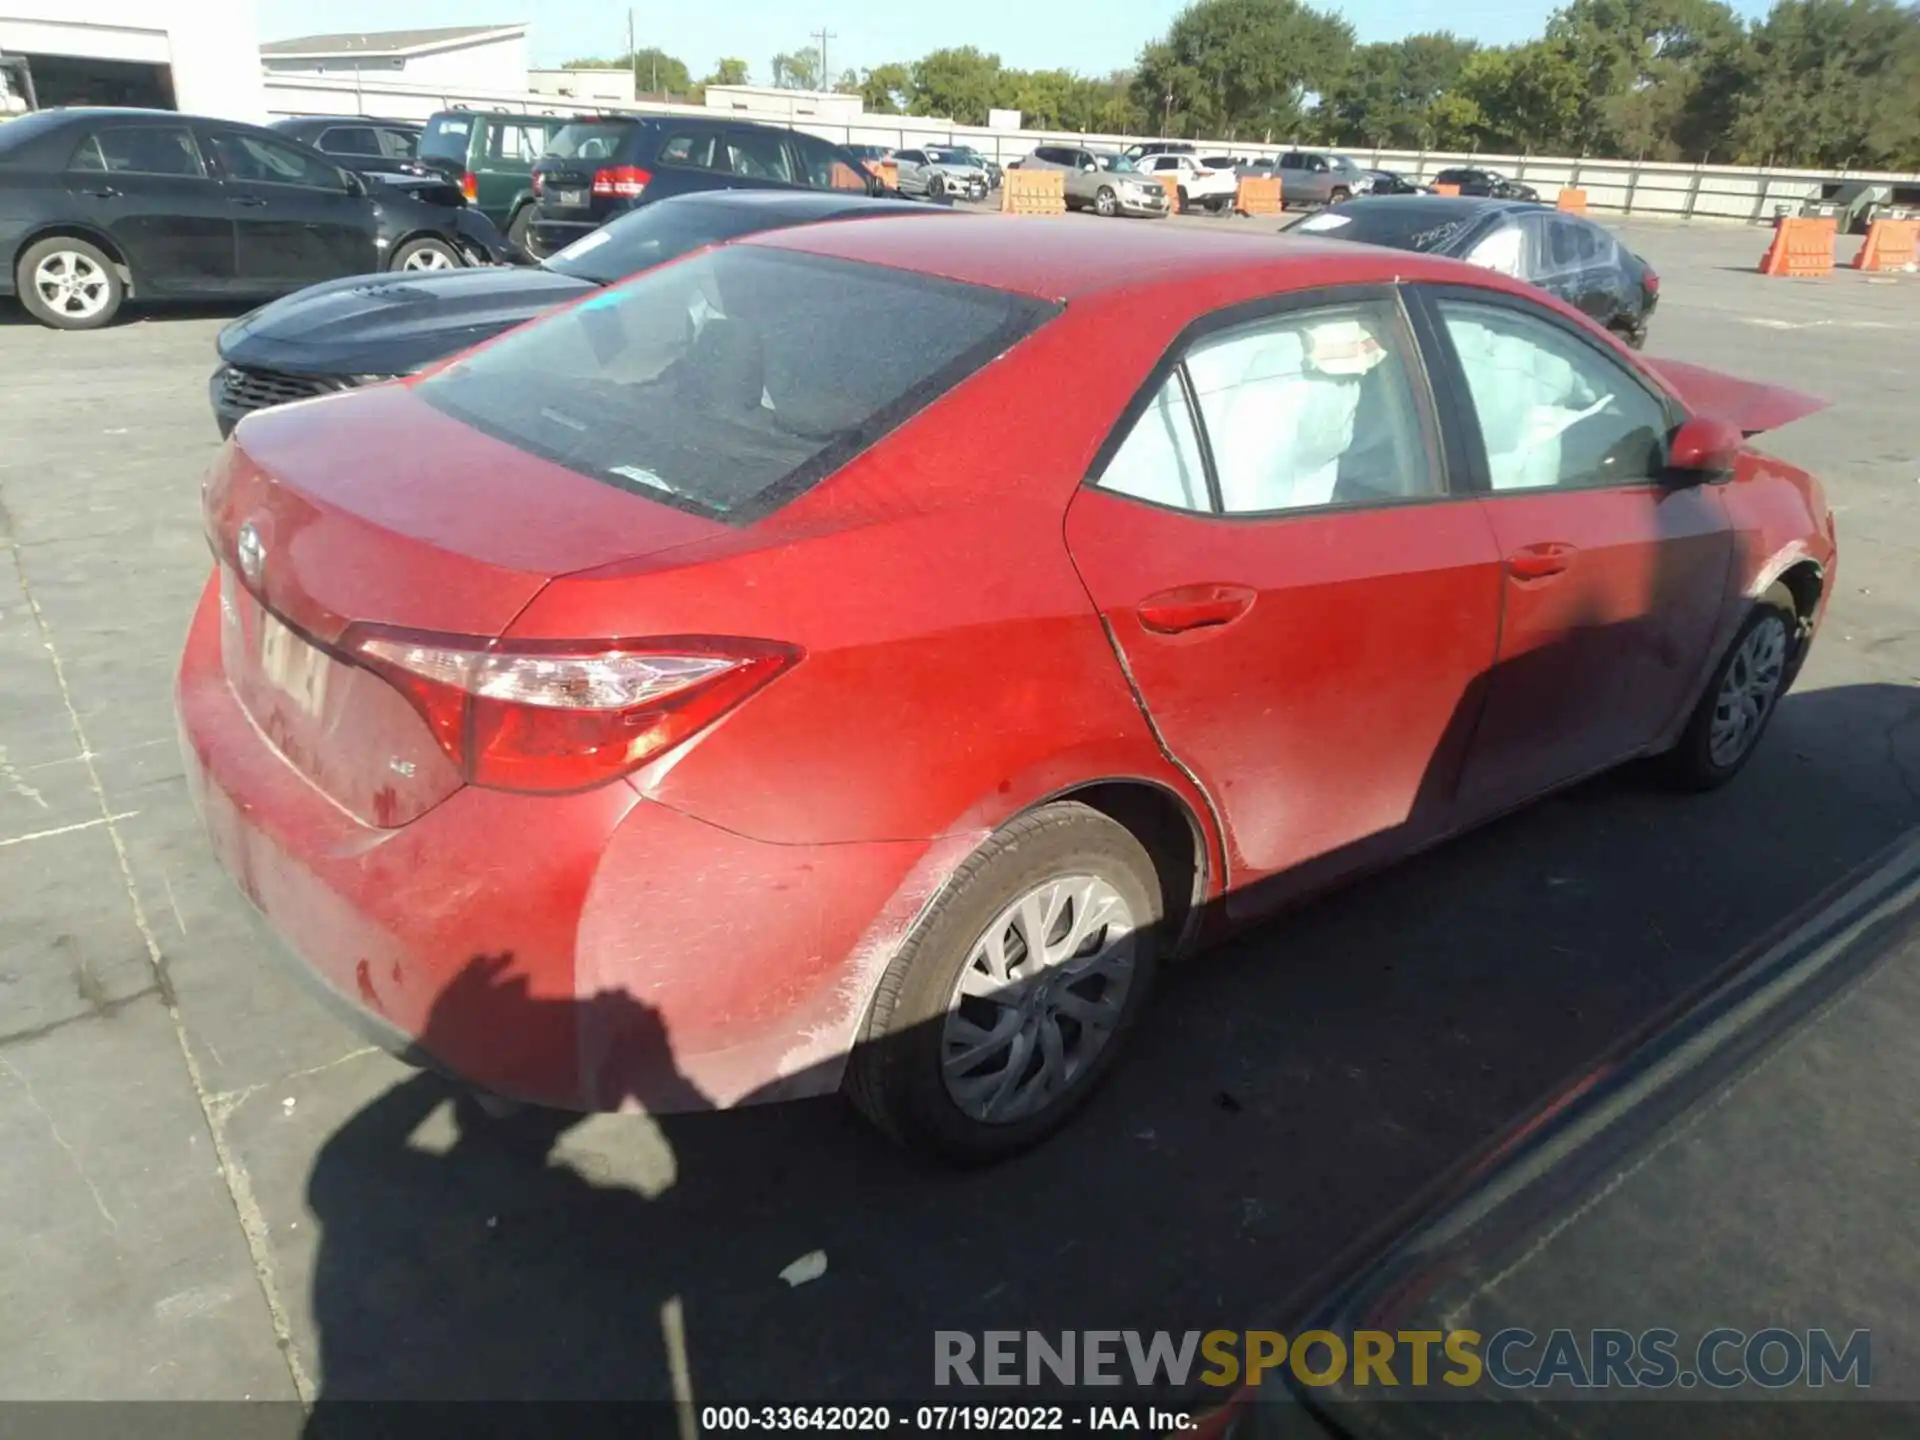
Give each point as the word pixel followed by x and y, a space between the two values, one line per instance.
pixel 1202 187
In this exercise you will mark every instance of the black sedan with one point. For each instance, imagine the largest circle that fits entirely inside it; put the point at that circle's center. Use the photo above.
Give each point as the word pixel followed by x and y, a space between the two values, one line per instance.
pixel 101 205
pixel 1719 1209
pixel 372 327
pixel 1394 182
pixel 1490 184
pixel 1563 254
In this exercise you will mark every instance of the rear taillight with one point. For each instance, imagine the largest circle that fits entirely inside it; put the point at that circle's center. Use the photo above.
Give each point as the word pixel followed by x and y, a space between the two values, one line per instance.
pixel 1651 281
pixel 624 182
pixel 539 184
pixel 548 716
pixel 470 186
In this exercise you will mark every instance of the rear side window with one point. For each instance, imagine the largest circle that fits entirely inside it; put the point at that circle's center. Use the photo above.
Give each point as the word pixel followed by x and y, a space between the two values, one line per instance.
pixel 349 140
pixel 693 151
pixel 141 150
pixel 398 144
pixel 509 143
pixel 588 140
pixel 730 382
pixel 446 138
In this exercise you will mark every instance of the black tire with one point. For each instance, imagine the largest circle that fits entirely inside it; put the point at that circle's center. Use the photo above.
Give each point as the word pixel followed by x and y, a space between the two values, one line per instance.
pixel 520 229
pixel 1182 203
pixel 1105 202
pixel 894 1075
pixel 83 253
pixel 1338 194
pixel 431 249
pixel 1691 764
pixel 936 189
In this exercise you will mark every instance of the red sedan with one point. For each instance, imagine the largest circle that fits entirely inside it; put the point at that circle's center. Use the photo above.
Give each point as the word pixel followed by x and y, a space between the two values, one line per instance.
pixel 856 657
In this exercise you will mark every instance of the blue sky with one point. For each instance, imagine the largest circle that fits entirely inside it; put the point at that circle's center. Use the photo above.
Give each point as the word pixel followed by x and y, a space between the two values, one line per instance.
pixel 1031 36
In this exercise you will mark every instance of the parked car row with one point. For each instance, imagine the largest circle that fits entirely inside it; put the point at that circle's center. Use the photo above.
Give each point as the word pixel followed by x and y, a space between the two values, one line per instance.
pixel 1101 180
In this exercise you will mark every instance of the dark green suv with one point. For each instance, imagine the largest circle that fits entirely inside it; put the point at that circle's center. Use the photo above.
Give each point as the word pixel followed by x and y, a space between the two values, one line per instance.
pixel 490 155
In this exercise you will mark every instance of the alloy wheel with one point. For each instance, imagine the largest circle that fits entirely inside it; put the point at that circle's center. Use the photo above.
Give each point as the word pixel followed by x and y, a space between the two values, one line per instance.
pixel 72 285
pixel 1038 999
pixel 1748 690
pixel 1104 202
pixel 428 257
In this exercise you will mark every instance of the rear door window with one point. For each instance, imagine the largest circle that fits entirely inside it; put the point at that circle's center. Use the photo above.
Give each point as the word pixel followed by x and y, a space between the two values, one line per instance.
pixel 398 144
pixel 141 150
pixel 513 144
pixel 693 152
pixel 447 138
pixel 349 140
pixel 732 381
pixel 589 141
pixel 759 155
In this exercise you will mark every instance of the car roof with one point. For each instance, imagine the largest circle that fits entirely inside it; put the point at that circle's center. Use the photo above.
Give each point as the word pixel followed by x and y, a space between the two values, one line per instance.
pixel 1063 258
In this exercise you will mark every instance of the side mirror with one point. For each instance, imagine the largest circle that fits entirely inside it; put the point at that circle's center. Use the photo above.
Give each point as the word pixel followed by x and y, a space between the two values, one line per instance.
pixel 1703 451
pixel 1089 167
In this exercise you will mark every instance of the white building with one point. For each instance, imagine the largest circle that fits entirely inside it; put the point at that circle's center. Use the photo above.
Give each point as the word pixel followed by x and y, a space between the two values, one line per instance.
pixel 456 57
pixel 190 55
pixel 589 83
pixel 766 102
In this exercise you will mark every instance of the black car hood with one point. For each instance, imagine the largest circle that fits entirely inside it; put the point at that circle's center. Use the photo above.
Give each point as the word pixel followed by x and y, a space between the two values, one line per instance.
pixel 391 324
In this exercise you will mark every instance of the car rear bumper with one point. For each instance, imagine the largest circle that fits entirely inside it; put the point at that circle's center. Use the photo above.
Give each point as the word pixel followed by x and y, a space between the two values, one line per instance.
pixel 549 236
pixel 594 951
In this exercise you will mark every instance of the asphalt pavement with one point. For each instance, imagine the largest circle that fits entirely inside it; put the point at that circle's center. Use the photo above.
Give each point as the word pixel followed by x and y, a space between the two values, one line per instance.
pixel 212 1190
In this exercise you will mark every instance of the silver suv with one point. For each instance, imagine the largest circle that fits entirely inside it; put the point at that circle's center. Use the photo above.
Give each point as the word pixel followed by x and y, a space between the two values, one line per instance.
pixel 1317 177
pixel 1101 180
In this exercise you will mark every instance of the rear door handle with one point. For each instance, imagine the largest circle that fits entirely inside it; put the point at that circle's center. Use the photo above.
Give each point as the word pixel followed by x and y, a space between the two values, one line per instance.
pixel 251 201
pixel 1538 562
pixel 1194 607
pixel 102 192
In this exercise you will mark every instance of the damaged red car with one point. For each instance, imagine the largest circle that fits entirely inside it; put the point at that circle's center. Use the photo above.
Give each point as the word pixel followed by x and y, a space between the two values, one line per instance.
pixel 857 657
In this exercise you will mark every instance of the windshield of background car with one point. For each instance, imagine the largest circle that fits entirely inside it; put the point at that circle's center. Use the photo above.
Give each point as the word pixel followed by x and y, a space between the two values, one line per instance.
pixel 733 381
pixel 1119 164
pixel 652 237
pixel 446 138
pixel 946 157
pixel 588 140
pixel 1402 227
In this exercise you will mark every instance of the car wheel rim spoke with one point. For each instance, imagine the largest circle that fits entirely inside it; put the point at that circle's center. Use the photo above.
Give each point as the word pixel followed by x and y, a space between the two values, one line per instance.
pixel 71 284
pixel 1748 692
pixel 1038 998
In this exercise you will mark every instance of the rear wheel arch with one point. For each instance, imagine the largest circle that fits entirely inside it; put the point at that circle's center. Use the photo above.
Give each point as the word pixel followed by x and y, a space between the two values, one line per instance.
pixel 1171 832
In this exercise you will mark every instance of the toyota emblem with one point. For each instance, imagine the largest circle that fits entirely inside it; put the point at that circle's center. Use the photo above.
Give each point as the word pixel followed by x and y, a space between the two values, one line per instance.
pixel 252 551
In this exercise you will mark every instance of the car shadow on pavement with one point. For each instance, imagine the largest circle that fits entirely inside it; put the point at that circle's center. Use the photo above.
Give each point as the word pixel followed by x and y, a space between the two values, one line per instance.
pixel 1288 1091
pixel 136 312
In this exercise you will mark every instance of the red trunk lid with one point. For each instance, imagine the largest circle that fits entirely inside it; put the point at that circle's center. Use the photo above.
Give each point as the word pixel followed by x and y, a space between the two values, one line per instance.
pixel 376 508
pixel 1747 404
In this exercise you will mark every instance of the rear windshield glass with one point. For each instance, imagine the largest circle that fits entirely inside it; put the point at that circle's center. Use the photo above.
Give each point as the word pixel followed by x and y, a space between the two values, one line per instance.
pixel 588 140
pixel 1414 226
pixel 446 137
pixel 734 380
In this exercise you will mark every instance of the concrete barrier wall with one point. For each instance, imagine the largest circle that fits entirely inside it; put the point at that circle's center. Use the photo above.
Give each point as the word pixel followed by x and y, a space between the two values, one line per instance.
pixel 1726 192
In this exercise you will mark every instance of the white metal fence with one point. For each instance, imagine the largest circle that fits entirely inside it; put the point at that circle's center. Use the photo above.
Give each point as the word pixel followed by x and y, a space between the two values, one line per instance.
pixel 1727 192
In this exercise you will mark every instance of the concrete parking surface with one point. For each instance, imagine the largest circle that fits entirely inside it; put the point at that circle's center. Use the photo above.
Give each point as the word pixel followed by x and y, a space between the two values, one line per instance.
pixel 210 1190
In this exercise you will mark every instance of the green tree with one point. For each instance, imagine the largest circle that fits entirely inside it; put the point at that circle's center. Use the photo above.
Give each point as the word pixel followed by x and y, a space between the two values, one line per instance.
pixel 646 63
pixel 1830 83
pixel 884 88
pixel 1386 93
pixel 727 71
pixel 797 69
pixel 960 84
pixel 1229 68
pixel 1530 98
